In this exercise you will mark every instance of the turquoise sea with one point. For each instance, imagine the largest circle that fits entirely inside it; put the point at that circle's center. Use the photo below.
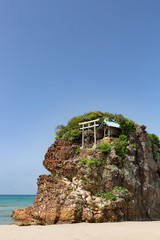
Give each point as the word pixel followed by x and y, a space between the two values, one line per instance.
pixel 10 202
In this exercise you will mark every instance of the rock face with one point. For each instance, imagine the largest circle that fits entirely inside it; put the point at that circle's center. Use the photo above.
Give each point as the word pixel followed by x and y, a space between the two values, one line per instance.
pixel 97 187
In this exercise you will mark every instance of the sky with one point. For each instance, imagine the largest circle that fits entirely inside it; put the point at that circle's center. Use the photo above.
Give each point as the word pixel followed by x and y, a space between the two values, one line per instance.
pixel 60 59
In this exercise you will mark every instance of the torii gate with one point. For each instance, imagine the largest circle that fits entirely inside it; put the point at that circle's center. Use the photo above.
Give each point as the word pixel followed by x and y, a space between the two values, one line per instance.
pixel 89 126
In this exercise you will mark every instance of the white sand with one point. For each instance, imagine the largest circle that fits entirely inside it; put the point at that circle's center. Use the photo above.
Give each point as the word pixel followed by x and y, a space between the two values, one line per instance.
pixel 84 231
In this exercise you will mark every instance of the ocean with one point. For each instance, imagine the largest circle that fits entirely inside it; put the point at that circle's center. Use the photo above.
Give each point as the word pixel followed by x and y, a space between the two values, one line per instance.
pixel 10 202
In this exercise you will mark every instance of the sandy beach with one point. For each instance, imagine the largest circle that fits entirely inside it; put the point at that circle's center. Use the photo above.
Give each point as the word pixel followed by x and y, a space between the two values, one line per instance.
pixel 84 231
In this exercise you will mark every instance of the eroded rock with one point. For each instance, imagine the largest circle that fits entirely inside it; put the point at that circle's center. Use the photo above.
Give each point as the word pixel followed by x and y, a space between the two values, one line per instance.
pixel 76 191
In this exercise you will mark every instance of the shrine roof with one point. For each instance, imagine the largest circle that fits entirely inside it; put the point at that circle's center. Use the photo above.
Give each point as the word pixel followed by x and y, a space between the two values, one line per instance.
pixel 110 123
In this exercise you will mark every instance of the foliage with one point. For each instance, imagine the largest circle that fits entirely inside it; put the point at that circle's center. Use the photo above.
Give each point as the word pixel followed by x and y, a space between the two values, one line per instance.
pixel 60 131
pixel 84 160
pixel 77 150
pixel 120 145
pixel 72 133
pixel 123 137
pixel 154 139
pixel 154 155
pixel 155 142
pixel 119 188
pixel 97 161
pixel 89 146
pixel 91 161
pixel 94 160
pixel 134 145
pixel 104 147
pixel 107 196
pixel 120 167
pixel 126 125
pixel 114 165
pixel 85 181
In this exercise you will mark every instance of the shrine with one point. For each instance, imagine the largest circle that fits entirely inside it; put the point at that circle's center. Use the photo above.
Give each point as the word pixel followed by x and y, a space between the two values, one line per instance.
pixel 109 127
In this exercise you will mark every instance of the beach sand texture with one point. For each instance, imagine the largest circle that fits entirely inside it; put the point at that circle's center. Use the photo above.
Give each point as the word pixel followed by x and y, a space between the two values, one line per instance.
pixel 84 231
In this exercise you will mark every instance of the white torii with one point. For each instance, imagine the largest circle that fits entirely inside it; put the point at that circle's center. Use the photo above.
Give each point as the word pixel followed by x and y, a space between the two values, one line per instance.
pixel 89 126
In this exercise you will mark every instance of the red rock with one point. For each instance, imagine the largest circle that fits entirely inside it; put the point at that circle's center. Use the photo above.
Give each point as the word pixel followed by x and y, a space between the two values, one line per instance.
pixel 70 193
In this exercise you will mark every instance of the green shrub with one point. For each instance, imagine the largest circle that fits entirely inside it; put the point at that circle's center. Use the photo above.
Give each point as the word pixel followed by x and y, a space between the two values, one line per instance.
pixel 120 167
pixel 126 125
pixel 154 155
pixel 134 145
pixel 77 150
pixel 107 196
pixel 94 160
pixel 85 181
pixel 104 147
pixel 90 162
pixel 72 133
pixel 60 131
pixel 123 137
pixel 154 140
pixel 114 165
pixel 84 160
pixel 119 188
pixel 120 146
pixel 97 161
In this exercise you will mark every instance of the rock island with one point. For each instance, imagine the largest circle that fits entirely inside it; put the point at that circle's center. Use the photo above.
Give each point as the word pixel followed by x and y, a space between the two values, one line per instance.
pixel 103 168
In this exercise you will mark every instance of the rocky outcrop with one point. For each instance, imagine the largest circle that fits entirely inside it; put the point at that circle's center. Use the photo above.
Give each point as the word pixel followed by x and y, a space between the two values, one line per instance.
pixel 97 187
pixel 57 154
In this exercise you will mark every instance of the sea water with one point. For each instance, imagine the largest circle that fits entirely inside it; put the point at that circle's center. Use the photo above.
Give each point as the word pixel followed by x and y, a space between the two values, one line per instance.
pixel 10 202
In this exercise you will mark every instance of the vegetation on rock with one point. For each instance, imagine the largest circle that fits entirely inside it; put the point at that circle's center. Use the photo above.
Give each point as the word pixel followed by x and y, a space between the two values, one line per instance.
pixel 119 188
pixel 154 140
pixel 107 196
pixel 72 133
pixel 104 147
pixel 87 185
pixel 77 150
pixel 155 143
pixel 120 145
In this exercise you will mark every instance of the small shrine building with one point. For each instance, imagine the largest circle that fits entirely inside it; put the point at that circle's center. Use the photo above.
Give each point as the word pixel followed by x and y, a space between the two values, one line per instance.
pixel 110 127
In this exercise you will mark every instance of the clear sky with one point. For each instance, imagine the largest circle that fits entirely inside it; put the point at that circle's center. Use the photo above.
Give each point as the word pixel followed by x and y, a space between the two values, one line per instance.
pixel 59 59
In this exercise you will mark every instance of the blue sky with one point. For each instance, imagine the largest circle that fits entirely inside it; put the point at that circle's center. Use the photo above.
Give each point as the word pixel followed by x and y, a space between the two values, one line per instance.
pixel 59 59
